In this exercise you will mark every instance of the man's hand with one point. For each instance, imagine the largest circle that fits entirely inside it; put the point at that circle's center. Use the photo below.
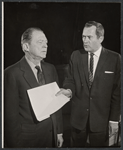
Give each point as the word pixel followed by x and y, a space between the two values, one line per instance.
pixel 65 92
pixel 59 140
pixel 113 127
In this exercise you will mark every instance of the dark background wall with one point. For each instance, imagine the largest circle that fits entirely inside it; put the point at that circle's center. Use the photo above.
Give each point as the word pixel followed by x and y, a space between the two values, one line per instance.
pixel 62 23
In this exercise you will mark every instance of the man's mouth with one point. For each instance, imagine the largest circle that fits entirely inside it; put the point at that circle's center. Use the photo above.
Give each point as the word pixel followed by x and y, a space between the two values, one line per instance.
pixel 85 45
pixel 44 52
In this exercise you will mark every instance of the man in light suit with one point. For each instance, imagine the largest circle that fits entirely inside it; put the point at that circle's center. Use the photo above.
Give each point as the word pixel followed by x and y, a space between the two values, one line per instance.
pixel 21 126
pixel 93 82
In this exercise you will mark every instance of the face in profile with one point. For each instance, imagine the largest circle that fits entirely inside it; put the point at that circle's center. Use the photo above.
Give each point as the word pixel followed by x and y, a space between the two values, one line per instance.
pixel 91 42
pixel 38 45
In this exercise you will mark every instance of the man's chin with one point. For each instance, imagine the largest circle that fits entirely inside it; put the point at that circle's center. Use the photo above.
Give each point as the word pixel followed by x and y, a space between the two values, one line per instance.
pixel 86 49
pixel 42 57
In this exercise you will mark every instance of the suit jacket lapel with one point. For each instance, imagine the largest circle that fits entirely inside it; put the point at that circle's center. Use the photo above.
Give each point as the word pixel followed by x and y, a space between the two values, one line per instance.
pixel 102 60
pixel 28 73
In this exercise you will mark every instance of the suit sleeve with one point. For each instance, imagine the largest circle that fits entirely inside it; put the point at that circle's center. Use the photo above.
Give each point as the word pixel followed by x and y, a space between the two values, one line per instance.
pixel 11 111
pixel 116 93
pixel 69 80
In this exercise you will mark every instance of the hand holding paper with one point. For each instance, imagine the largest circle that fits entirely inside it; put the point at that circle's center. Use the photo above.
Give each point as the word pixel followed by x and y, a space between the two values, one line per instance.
pixel 66 92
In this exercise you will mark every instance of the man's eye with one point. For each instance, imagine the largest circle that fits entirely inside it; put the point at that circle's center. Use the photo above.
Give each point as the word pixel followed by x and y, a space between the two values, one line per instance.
pixel 40 42
pixel 89 37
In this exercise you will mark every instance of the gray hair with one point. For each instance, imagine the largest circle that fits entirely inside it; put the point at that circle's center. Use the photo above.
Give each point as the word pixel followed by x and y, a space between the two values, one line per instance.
pixel 27 35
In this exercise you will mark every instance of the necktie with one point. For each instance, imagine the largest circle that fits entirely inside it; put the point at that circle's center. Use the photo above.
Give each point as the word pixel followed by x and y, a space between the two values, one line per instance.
pixel 40 76
pixel 91 69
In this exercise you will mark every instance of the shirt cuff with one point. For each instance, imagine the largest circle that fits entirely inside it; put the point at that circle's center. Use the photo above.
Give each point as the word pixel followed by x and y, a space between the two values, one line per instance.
pixel 113 121
pixel 60 134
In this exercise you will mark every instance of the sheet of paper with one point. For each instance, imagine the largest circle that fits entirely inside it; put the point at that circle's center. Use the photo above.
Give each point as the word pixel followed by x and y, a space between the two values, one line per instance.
pixel 43 117
pixel 44 102
pixel 56 104
pixel 41 96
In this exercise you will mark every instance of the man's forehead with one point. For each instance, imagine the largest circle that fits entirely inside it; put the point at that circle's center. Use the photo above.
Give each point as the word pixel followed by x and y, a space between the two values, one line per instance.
pixel 38 34
pixel 89 30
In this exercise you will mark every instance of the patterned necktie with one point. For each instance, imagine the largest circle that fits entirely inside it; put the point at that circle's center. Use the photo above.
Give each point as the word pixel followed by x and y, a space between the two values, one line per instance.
pixel 40 76
pixel 91 69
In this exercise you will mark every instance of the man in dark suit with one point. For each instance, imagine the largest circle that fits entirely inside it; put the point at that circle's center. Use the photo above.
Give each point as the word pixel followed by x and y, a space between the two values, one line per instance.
pixel 21 126
pixel 93 82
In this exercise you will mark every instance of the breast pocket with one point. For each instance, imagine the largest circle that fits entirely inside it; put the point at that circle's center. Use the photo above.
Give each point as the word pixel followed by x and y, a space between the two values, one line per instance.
pixel 109 77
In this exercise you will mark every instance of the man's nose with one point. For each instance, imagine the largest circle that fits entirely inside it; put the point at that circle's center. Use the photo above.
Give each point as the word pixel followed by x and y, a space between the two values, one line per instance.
pixel 85 39
pixel 45 45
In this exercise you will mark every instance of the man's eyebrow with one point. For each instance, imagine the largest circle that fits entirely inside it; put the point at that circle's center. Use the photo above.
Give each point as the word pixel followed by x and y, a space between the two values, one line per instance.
pixel 87 35
pixel 42 40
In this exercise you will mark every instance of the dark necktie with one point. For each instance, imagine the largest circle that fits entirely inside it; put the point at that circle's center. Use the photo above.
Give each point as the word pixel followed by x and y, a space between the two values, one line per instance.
pixel 40 76
pixel 91 69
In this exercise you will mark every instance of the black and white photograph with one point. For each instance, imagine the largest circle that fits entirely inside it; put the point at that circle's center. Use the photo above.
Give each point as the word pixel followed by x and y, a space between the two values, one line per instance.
pixel 61 74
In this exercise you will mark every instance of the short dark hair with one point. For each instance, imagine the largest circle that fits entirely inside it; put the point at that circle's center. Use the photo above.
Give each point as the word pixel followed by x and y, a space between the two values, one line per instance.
pixel 27 35
pixel 99 27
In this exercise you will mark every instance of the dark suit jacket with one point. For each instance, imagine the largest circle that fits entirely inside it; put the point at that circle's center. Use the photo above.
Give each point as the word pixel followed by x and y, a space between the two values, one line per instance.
pixel 18 111
pixel 102 103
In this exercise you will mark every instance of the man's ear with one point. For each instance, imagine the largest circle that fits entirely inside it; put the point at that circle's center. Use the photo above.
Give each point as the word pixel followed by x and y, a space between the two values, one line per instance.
pixel 101 38
pixel 25 47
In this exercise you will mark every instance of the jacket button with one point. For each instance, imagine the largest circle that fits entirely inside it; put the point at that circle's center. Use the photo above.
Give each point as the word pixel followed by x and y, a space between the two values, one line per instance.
pixel 87 109
pixel 90 98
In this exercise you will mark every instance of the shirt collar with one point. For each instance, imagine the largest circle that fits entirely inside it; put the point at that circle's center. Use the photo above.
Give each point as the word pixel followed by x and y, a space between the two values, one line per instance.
pixel 32 65
pixel 97 53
